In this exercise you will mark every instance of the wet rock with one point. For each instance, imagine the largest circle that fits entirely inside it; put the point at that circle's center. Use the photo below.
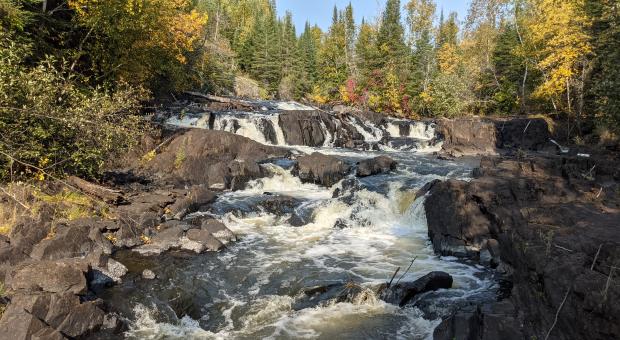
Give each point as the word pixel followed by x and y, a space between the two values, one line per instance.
pixel 333 293
pixel 148 274
pixel 218 230
pixel 106 272
pixel 303 127
pixel 491 321
pixel 456 226
pixel 532 217
pixel 522 133
pixel 213 158
pixel 162 241
pixel 279 205
pixel 61 276
pixel 196 199
pixel 321 169
pixel 403 292
pixel 201 240
pixel 375 166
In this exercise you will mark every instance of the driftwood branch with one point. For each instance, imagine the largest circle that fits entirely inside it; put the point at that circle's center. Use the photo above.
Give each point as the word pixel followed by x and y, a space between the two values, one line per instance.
pixel 219 99
pixel 557 314
pixel 105 194
pixel 393 276
pixel 406 271
pixel 15 199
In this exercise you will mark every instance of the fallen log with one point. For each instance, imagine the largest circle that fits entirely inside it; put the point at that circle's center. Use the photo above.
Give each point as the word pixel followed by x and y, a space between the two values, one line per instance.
pixel 219 99
pixel 105 194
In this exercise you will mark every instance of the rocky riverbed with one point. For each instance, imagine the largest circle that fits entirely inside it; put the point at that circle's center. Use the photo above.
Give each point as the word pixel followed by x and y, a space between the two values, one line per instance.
pixel 254 221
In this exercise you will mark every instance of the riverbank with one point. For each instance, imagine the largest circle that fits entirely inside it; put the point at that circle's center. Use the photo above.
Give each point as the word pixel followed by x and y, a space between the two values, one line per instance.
pixel 188 192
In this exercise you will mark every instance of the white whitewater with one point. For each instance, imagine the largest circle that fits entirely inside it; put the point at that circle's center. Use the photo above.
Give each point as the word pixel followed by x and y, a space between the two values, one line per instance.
pixel 383 232
pixel 361 236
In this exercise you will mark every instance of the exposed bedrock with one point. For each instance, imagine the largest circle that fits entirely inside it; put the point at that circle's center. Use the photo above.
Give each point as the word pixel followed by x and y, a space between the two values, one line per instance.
pixel 477 136
pixel 219 160
pixel 551 225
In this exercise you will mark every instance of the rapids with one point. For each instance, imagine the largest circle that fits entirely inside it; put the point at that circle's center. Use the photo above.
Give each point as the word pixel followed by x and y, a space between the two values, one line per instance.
pixel 251 290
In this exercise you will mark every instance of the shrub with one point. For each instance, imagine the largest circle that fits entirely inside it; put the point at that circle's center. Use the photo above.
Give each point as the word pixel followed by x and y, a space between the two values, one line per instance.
pixel 52 123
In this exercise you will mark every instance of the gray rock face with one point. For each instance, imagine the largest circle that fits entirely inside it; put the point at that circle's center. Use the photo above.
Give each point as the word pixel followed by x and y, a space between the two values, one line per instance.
pixel 532 218
pixel 195 199
pixel 63 276
pixel 475 136
pixel 205 239
pixel 75 239
pixel 321 169
pixel 375 166
pixel 467 136
pixel 214 158
pixel 219 231
pixel 53 316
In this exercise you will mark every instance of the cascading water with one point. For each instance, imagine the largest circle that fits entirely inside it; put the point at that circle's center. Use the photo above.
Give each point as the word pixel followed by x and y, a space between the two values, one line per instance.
pixel 264 126
pixel 254 288
pixel 293 236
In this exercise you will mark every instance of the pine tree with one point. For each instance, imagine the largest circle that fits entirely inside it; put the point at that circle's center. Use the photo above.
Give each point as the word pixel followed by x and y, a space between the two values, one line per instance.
pixel 350 31
pixel 332 61
pixel 391 37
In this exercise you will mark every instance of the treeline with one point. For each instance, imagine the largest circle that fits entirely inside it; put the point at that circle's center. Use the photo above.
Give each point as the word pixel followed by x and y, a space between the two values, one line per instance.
pixel 505 57
pixel 75 74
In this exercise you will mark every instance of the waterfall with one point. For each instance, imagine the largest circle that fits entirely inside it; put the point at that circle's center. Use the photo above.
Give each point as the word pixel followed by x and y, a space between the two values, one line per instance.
pixel 264 127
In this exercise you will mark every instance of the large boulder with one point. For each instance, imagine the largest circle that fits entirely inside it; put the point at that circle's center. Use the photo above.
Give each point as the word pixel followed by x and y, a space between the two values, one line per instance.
pixel 50 316
pixel 220 160
pixel 73 239
pixel 402 293
pixel 375 166
pixel 467 136
pixel 523 133
pixel 498 320
pixel 321 169
pixel 476 136
pixel 304 127
pixel 195 199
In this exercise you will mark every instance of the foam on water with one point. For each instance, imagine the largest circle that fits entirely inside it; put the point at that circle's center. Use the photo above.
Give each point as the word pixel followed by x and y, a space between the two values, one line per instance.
pixel 363 237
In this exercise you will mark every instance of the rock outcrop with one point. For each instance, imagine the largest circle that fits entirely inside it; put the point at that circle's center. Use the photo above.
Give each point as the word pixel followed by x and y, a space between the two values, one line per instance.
pixel 549 223
pixel 477 136
pixel 321 169
pixel 375 166
pixel 219 160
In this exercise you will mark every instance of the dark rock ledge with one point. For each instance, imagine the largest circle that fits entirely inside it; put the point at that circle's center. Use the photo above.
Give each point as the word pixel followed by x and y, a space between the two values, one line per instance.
pixel 550 224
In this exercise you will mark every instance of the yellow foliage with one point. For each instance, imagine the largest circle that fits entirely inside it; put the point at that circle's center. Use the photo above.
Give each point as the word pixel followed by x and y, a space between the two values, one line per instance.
pixel 318 96
pixel 560 28
pixel 145 32
pixel 448 59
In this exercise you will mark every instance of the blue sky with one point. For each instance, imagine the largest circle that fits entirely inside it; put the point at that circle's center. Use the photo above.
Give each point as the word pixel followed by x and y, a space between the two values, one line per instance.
pixel 320 11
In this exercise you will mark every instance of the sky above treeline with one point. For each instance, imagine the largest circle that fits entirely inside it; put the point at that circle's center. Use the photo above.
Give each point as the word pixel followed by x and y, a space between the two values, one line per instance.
pixel 320 11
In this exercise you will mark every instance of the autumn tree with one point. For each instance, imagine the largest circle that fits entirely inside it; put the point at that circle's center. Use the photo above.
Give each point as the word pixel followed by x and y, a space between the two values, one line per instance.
pixel 141 42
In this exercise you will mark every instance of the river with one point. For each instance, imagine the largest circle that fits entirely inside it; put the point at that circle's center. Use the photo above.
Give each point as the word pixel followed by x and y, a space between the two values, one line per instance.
pixel 254 288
